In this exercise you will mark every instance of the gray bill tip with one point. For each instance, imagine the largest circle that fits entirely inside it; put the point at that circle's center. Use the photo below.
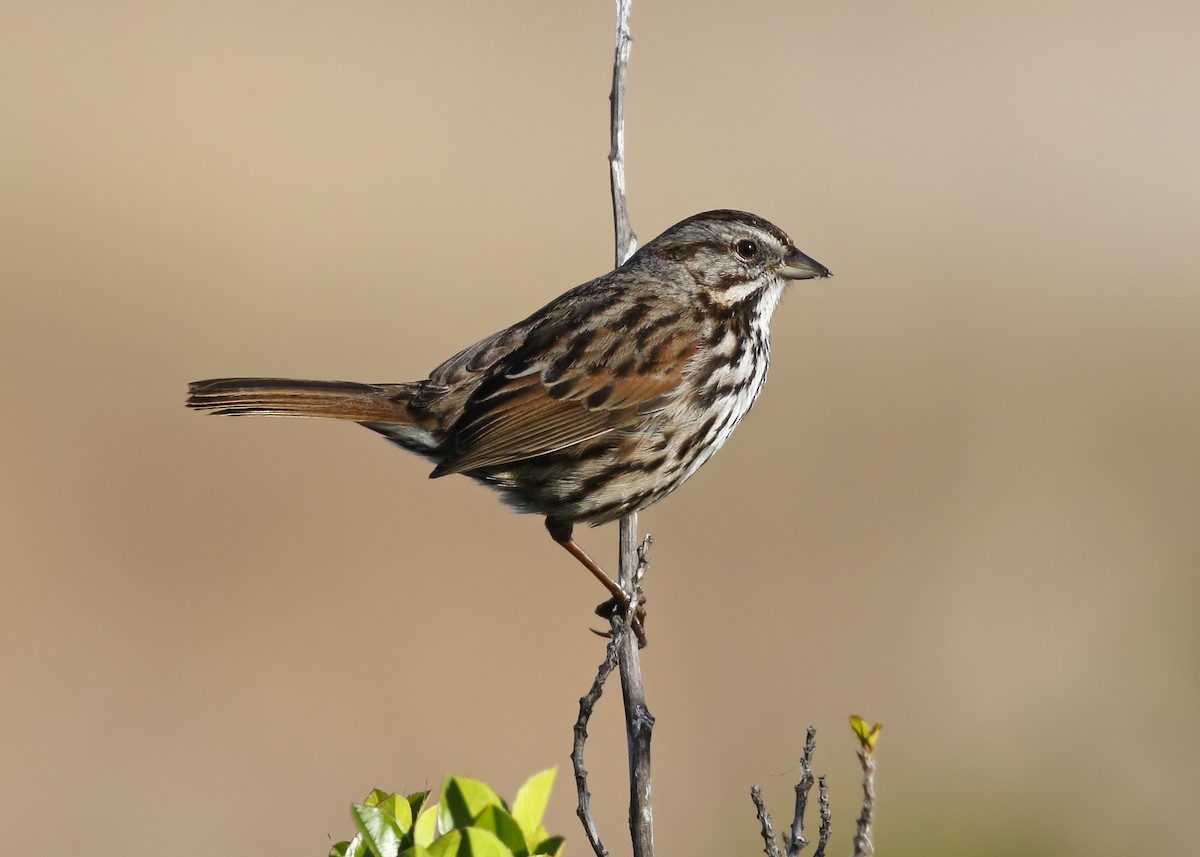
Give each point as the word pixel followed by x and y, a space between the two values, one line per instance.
pixel 797 266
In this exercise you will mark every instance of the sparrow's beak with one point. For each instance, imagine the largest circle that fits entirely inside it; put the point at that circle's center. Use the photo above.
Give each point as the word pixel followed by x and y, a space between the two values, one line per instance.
pixel 797 266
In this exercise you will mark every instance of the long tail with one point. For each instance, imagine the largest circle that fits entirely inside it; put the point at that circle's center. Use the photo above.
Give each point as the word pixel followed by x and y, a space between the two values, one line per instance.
pixel 282 397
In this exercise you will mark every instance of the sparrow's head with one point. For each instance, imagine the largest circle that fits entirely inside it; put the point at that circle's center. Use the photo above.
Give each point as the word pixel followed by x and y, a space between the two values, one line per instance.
pixel 733 257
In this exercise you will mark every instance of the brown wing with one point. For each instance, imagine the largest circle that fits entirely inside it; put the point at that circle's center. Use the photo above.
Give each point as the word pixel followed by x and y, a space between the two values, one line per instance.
pixel 480 357
pixel 583 371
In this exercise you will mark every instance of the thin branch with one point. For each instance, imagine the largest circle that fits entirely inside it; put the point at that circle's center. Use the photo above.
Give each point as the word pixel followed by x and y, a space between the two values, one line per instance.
pixel 863 846
pixel 639 722
pixel 826 817
pixel 623 646
pixel 764 817
pixel 625 237
pixel 586 704
pixel 795 841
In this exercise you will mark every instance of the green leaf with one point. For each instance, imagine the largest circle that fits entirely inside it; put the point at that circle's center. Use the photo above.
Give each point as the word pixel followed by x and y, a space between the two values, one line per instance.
pixel 448 845
pixel 470 842
pixel 505 827
pixel 425 830
pixel 484 843
pixel 380 830
pixel 462 799
pixel 375 797
pixel 354 848
pixel 532 798
pixel 400 809
pixel 867 735
pixel 415 851
pixel 552 845
pixel 415 801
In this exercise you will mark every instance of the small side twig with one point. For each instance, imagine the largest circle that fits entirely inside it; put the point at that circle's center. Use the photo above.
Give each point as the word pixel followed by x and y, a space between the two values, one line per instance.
pixel 795 841
pixel 764 818
pixel 826 817
pixel 586 704
pixel 868 737
pixel 863 846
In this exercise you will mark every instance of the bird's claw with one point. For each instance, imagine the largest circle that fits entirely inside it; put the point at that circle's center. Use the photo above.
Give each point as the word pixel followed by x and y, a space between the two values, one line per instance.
pixel 635 617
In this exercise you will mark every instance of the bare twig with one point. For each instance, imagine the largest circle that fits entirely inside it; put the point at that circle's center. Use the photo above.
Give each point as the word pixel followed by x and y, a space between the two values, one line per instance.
pixel 764 817
pixel 626 239
pixel 795 841
pixel 623 646
pixel 639 725
pixel 586 704
pixel 863 846
pixel 639 722
pixel 826 817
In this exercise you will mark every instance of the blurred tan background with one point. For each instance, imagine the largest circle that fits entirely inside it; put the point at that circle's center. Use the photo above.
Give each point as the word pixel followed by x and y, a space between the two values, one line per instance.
pixel 968 504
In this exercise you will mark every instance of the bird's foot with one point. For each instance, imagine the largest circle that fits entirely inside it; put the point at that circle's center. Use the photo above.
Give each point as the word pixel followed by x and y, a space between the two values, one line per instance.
pixel 636 617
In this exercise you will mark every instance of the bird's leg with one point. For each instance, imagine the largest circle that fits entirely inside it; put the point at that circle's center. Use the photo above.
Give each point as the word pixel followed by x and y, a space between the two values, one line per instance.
pixel 561 533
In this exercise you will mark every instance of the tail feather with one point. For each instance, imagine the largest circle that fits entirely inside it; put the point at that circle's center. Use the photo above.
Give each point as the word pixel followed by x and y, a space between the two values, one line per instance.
pixel 283 397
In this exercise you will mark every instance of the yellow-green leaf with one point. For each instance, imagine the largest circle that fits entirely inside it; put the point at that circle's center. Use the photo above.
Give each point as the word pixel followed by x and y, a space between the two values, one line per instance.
pixel 448 845
pixel 398 808
pixel 470 842
pixel 499 822
pixel 552 845
pixel 463 799
pixel 867 735
pixel 425 830
pixel 483 843
pixel 354 848
pixel 530 805
pixel 416 800
pixel 380 829
pixel 374 798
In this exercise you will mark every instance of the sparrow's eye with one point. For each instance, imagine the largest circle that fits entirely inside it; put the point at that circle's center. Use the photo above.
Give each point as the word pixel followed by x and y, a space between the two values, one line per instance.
pixel 746 248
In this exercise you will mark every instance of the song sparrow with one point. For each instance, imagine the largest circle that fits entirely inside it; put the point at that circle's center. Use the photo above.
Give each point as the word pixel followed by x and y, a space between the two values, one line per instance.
pixel 600 403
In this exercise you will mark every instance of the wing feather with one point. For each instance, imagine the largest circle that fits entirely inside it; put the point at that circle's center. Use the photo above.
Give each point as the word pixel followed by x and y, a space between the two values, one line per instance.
pixel 555 392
